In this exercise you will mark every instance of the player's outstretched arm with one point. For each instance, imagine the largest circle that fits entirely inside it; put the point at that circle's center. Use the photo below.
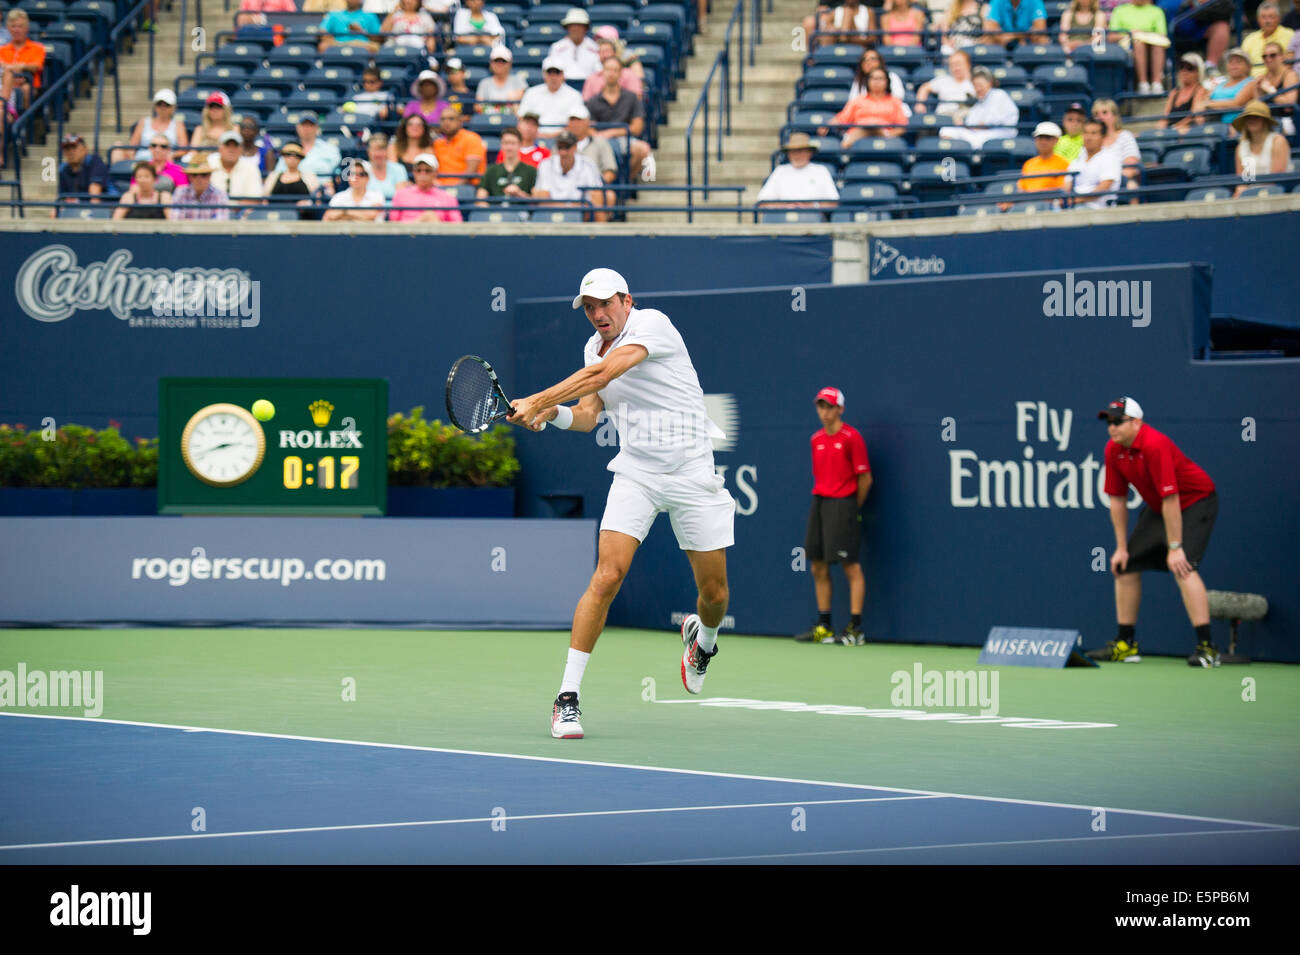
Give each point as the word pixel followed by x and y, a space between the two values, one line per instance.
pixel 537 408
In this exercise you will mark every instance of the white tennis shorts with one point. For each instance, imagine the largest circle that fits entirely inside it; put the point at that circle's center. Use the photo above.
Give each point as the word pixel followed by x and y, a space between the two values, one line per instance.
pixel 700 509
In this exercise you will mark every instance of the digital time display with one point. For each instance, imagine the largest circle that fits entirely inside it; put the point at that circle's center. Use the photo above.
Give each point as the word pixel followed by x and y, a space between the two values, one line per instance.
pixel 273 446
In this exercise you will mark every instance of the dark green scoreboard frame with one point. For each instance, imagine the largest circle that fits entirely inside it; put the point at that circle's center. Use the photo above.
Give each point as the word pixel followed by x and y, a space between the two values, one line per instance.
pixel 315 419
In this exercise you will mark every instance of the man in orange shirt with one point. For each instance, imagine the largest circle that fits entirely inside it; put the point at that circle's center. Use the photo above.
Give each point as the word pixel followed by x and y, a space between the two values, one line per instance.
pixel 1045 138
pixel 19 59
pixel 458 150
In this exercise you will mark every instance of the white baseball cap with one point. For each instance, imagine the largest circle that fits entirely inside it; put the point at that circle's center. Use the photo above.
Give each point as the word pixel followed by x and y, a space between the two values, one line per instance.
pixel 576 15
pixel 552 63
pixel 429 159
pixel 1121 406
pixel 600 284
pixel 580 111
pixel 501 53
pixel 1047 129
pixel 165 95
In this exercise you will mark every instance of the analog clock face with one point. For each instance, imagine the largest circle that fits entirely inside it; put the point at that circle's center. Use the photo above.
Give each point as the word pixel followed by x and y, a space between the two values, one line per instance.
pixel 223 445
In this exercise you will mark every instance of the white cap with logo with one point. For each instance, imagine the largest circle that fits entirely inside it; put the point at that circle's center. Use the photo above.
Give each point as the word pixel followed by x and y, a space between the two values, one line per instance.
pixel 600 284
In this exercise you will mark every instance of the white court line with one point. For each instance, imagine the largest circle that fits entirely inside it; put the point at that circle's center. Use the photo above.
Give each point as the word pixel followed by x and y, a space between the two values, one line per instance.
pixel 652 769
pixel 453 822
pixel 960 845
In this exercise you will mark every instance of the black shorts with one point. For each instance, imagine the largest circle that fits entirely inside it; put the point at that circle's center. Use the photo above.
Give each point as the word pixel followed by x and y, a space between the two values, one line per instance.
pixel 833 529
pixel 1148 546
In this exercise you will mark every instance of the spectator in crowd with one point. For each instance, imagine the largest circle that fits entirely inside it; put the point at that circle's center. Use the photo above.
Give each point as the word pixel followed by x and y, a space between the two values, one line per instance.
pixel 577 52
pixel 1270 31
pixel 631 75
pixel 237 177
pixel 1262 150
pixel 144 200
pixel 595 149
pixel 841 24
pixel 962 24
pixel 1014 21
pixel 459 96
pixel 903 24
pixel 412 27
pixel 169 175
pixel 613 104
pixel 413 138
pixel 323 157
pixel 253 145
pixel 163 122
pixel 360 202
pixel 841 482
pixel 509 177
pixel 870 60
pixel 217 119
pixel 385 176
pixel 22 61
pixel 500 91
pixel 351 25
pixel 289 182
pixel 460 152
pixel 1097 169
pixel 322 6
pixel 422 200
pixel 1144 22
pixel 1081 15
pixel 205 201
pixel 1046 136
pixel 1070 144
pixel 253 12
pixel 799 183
pixel 81 173
pixel 530 150
pixel 475 26
pixel 953 88
pixel 1209 27
pixel 1278 76
pixel 430 97
pixel 1119 140
pixel 994 115
pixel 373 102
pixel 1234 90
pixel 552 100
pixel 567 178
pixel 877 114
pixel 1189 94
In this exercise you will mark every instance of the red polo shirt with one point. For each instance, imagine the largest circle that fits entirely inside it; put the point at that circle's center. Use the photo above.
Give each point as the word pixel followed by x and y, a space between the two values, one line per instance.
pixel 533 155
pixel 1156 467
pixel 837 460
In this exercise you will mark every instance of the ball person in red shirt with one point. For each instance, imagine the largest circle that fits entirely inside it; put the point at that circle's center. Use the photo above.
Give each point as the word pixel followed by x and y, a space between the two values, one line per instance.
pixel 841 480
pixel 1171 533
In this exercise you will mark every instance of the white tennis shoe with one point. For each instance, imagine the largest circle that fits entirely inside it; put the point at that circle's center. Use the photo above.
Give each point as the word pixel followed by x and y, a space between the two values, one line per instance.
pixel 694 660
pixel 564 717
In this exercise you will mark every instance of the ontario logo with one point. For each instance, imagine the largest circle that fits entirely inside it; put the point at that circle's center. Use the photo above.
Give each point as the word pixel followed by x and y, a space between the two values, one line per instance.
pixel 885 255
pixel 51 285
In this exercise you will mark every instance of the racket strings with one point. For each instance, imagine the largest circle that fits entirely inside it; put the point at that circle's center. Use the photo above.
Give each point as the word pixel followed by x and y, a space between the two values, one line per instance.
pixel 472 400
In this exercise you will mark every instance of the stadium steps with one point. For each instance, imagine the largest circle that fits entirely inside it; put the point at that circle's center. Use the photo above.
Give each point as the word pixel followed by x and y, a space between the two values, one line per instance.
pixel 755 123
pixel 137 98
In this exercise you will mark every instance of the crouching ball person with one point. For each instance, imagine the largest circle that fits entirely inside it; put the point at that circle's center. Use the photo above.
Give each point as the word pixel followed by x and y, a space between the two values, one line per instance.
pixel 636 369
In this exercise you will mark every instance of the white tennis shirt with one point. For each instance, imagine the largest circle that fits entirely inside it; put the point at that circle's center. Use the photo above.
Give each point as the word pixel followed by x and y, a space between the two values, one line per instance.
pixel 657 406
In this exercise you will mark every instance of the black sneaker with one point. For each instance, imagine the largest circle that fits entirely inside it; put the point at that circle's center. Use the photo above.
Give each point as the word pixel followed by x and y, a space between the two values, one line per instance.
pixel 1205 656
pixel 851 637
pixel 564 717
pixel 1117 651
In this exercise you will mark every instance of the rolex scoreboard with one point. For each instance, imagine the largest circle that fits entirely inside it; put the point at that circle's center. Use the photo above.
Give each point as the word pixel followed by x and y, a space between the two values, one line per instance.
pixel 272 445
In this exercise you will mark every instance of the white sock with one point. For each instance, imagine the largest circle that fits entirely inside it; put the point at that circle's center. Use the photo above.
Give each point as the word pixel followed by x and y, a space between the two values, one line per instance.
pixel 706 637
pixel 573 670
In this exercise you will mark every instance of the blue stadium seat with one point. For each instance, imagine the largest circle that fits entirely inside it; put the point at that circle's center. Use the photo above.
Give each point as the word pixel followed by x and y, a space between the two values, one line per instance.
pixel 1057 79
pixel 492 122
pixel 497 215
pixel 86 210
pixel 614 14
pixel 1156 138
pixel 401 56
pixel 673 14
pixel 542 33
pixel 1003 155
pixel 920 125
pixel 119 174
pixel 920 75
pixel 936 181
pixel 869 193
pixel 823 98
pixel 262 102
pixel 789 216
pixel 1034 206
pixel 558 215
pixel 221 77
pixel 833 77
pixel 549 12
pixel 1006 187
pixel 302 54
pixel 530 55
pixel 339 79
pixel 982 209
pixel 989 55
pixel 1192 160
pixel 100 14
pixel 862 170
pixel 76 32
pixel 323 101
pixel 838 54
pixel 1262 189
pixel 858 215
pixel 1108 68
pixel 880 149
pixel 1030 103
pixel 248 55
pixel 1208 194
pixel 270 214
pixel 342 53
pixel 476 55
pixel 1010 77
pixel 907 57
pixel 934 149
pixel 284 78
pixel 1031 55
pixel 810 120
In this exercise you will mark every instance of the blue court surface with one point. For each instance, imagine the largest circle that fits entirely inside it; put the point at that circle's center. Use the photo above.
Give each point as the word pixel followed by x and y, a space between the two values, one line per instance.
pixel 79 791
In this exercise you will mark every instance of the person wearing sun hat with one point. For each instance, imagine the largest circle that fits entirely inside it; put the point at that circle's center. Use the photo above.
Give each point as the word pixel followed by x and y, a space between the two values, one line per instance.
pixel 188 200
pixel 1262 151
pixel 800 182
pixel 1234 90
pixel 577 51
pixel 1172 531
pixel 841 481
pixel 232 173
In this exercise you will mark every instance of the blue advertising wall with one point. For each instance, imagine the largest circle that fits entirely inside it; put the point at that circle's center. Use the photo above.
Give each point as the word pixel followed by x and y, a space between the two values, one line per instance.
pixel 1253 256
pixel 396 307
pixel 943 377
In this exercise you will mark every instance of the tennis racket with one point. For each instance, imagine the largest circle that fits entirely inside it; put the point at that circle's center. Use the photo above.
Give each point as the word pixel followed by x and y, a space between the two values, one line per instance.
pixel 475 399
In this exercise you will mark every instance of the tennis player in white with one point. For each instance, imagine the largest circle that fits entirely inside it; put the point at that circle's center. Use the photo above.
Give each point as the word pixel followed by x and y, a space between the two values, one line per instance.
pixel 637 369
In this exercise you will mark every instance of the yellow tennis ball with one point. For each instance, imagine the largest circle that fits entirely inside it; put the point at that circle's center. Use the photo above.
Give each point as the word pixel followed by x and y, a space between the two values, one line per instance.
pixel 263 410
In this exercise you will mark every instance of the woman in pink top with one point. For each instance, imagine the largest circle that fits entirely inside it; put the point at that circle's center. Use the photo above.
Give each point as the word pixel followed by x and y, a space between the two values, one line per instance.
pixel 251 11
pixel 877 107
pixel 423 201
pixel 630 79
pixel 903 24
